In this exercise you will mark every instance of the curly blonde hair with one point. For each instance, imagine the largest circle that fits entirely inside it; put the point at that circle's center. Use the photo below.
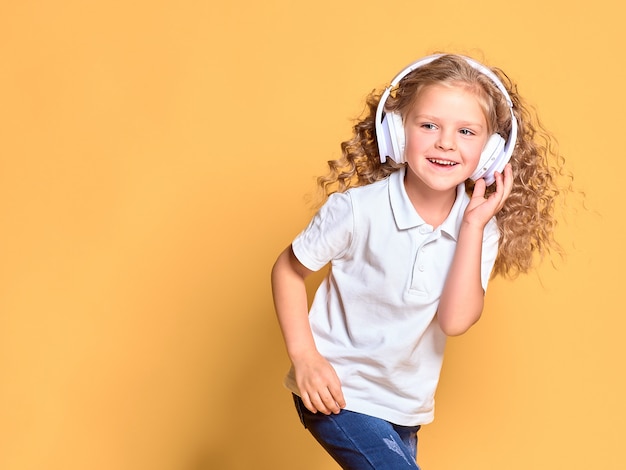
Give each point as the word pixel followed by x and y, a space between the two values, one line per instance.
pixel 527 220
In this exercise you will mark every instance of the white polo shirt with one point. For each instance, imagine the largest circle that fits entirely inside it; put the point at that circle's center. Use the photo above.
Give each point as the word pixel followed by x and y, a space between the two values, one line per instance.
pixel 373 316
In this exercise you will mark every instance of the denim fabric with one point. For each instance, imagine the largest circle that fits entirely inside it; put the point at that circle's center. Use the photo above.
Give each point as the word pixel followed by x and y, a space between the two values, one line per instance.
pixel 361 442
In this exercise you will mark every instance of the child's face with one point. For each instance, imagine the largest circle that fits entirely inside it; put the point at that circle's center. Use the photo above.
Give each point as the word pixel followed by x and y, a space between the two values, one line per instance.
pixel 446 131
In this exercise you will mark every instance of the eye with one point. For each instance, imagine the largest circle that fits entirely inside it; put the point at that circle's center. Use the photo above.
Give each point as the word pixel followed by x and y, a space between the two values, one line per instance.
pixel 428 125
pixel 467 132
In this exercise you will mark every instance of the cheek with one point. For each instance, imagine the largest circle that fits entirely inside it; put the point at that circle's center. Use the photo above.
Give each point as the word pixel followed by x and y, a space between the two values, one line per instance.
pixel 415 143
pixel 473 152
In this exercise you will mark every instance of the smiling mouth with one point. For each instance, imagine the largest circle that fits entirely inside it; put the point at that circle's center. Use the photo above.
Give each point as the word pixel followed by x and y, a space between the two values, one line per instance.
pixel 442 162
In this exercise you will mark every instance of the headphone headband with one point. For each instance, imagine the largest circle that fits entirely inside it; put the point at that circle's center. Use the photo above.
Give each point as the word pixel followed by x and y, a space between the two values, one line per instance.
pixel 477 65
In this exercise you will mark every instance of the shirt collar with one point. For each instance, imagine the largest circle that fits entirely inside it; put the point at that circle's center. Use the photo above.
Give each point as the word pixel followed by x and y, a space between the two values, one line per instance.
pixel 407 217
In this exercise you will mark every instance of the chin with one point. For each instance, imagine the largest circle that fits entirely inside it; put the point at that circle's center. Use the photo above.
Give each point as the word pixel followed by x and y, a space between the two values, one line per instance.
pixel 439 183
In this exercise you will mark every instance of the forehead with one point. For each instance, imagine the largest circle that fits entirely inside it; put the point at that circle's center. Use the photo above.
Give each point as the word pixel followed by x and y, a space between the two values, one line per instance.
pixel 449 99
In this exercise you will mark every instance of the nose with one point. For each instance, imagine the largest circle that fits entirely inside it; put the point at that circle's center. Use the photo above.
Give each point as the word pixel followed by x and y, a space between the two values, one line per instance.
pixel 446 140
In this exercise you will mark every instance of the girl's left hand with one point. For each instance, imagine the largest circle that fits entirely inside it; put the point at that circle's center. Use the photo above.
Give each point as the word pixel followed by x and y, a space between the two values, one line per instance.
pixel 480 209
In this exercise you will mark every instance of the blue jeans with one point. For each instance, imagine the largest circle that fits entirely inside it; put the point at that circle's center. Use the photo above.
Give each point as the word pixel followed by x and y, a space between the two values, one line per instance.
pixel 361 442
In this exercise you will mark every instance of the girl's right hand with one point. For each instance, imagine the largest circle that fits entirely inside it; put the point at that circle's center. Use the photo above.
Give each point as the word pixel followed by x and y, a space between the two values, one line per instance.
pixel 319 385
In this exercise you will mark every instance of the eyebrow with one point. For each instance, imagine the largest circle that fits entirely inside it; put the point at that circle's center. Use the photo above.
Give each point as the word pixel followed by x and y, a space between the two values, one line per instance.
pixel 458 123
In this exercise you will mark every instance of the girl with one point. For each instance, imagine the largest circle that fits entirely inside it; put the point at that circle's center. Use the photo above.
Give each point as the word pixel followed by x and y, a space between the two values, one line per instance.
pixel 412 241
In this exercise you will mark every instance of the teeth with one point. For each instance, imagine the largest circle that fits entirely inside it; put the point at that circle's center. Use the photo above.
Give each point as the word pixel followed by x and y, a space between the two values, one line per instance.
pixel 442 162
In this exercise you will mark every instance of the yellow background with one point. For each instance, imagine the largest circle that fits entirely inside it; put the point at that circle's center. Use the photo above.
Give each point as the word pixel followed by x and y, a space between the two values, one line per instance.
pixel 155 158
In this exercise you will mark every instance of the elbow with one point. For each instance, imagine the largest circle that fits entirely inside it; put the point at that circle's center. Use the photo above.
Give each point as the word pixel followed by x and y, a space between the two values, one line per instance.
pixel 456 318
pixel 456 328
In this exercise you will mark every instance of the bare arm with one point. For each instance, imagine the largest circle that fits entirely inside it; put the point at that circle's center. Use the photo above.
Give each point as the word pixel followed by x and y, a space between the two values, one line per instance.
pixel 462 299
pixel 318 383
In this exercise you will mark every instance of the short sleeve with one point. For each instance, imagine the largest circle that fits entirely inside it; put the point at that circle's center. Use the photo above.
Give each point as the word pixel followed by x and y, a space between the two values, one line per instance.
pixel 328 235
pixel 491 237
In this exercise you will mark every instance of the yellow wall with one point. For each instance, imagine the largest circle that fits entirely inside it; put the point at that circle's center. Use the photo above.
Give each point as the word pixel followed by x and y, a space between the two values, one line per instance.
pixel 154 159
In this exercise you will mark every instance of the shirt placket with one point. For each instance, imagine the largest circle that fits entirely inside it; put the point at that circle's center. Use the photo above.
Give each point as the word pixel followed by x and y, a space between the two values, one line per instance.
pixel 423 259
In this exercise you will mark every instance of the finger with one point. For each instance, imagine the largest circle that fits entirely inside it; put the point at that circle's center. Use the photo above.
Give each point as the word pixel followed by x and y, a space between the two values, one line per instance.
pixel 306 401
pixel 329 403
pixel 504 185
pixel 499 194
pixel 337 393
pixel 508 179
pixel 339 400
pixel 333 399
pixel 479 189
pixel 499 186
pixel 318 403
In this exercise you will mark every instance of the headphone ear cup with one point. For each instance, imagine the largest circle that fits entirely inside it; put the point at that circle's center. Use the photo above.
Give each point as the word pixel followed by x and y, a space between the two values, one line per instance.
pixel 396 136
pixel 383 137
pixel 492 152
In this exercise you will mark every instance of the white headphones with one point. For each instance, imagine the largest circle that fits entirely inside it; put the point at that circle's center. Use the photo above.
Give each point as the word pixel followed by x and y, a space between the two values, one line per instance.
pixel 390 128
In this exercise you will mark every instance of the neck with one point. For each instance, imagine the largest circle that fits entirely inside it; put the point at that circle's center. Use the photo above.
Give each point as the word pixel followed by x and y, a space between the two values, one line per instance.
pixel 433 206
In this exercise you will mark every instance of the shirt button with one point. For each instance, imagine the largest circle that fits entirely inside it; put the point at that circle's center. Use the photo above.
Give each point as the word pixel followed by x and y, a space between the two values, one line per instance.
pixel 424 229
pixel 421 268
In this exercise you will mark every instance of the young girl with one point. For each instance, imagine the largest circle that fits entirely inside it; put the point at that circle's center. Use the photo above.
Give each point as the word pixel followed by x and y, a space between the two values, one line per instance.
pixel 447 181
